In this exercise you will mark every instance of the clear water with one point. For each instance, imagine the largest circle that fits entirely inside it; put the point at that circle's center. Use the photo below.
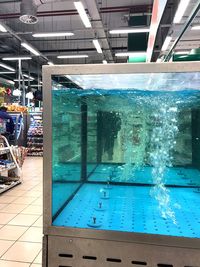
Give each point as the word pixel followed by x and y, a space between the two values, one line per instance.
pixel 127 159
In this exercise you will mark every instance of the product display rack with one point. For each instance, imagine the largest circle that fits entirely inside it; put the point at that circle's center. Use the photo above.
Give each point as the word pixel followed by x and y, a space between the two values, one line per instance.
pixel 35 135
pixel 9 168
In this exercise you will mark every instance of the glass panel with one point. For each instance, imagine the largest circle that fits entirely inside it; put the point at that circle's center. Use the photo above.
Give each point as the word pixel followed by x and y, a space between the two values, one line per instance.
pixel 126 153
pixel 66 132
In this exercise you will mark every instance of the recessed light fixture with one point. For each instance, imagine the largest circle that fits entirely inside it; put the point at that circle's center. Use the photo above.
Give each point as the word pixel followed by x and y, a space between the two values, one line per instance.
pixel 84 17
pixel 97 46
pixel 52 34
pixel 6 67
pixel 73 56
pixel 30 48
pixel 183 4
pixel 195 27
pixel 16 58
pixel 2 28
pixel 166 43
pixel 129 30
pixel 104 61
pixel 130 54
pixel 50 63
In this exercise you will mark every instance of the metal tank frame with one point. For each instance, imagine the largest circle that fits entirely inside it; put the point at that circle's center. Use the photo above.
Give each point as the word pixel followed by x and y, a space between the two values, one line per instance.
pixel 75 247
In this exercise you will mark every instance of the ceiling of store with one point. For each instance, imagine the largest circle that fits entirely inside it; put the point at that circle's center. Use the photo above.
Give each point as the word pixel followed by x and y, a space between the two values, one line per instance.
pixel 61 15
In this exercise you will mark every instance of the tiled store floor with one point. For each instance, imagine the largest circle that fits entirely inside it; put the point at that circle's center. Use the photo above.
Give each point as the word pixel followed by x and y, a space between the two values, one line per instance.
pixel 21 219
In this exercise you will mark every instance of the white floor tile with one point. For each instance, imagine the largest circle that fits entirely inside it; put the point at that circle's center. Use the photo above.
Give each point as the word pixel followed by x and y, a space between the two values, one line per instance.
pixel 33 234
pixel 33 193
pixel 6 217
pixel 4 246
pixel 38 259
pixel 31 209
pixel 24 220
pixel 23 251
pixel 39 222
pixel 7 199
pixel 14 208
pixel 21 219
pixel 37 202
pixel 10 232
pixel 4 263
pixel 14 192
pixel 24 200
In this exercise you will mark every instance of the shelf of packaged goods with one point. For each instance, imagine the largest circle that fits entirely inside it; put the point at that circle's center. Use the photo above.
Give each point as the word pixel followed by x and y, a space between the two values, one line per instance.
pixel 8 168
pixel 4 150
pixel 34 144
pixel 5 187
pixel 36 138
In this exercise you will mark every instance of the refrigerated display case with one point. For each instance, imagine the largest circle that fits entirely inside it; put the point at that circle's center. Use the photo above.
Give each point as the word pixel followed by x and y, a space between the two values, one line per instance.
pixel 122 165
pixel 35 135
pixel 20 131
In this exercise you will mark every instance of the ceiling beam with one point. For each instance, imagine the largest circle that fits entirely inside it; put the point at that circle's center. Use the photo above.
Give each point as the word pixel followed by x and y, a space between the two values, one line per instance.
pixel 71 12
pixel 97 25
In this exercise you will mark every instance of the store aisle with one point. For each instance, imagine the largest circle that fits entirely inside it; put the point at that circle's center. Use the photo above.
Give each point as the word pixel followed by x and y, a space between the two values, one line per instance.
pixel 21 219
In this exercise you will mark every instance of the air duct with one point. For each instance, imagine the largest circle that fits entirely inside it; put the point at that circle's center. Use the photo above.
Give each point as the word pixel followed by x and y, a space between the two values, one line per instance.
pixel 28 10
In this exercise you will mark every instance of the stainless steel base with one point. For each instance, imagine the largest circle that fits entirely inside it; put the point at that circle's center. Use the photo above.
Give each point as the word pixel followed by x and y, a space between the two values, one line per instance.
pixel 79 252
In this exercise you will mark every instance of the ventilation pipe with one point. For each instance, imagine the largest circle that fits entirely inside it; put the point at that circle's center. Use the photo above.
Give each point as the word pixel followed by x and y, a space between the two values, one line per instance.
pixel 28 10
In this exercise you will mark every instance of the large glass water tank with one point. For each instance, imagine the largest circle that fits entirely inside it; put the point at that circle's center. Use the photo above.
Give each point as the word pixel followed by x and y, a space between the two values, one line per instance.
pixel 125 151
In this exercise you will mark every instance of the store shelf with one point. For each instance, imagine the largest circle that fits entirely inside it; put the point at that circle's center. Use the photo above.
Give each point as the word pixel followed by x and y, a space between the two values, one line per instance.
pixel 35 135
pixel 5 187
pixel 8 169
pixel 4 150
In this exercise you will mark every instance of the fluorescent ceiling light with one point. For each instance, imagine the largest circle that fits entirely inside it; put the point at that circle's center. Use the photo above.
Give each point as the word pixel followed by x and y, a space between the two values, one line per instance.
pixel 36 85
pixel 97 46
pixel 130 54
pixel 30 48
pixel 181 52
pixel 129 30
pixel 50 63
pixel 196 27
pixel 166 43
pixel 105 62
pixel 27 76
pixel 6 67
pixel 83 14
pixel 7 72
pixel 183 4
pixel 73 56
pixel 53 34
pixel 25 80
pixel 16 58
pixel 2 28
